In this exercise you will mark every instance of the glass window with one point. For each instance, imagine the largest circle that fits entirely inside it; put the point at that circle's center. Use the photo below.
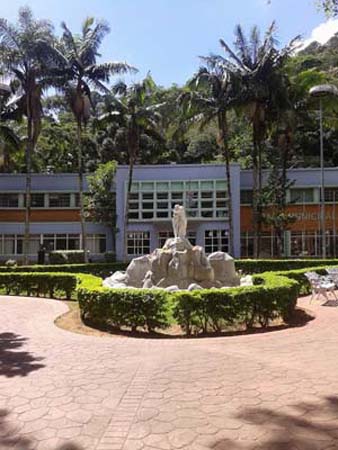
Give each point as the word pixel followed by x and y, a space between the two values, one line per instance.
pixel 73 242
pixel 177 195
pixel 59 200
pixel 147 186
pixel 147 196
pixel 216 240
pixel 177 186
pixel 162 214
pixel 207 194
pixel 246 197
pixel 162 187
pixel 331 195
pixel 221 194
pixel 220 184
pixel 38 200
pixel 9 200
pixel 162 195
pixel 301 195
pixel 207 185
pixel 138 243
pixel 9 244
pixel 305 243
pixel 96 243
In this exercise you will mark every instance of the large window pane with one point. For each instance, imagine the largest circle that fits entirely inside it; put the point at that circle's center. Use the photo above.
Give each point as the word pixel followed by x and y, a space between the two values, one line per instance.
pixel 9 200
pixel 59 200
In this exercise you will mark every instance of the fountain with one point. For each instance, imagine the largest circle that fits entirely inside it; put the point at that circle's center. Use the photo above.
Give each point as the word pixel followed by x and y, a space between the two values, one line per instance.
pixel 177 265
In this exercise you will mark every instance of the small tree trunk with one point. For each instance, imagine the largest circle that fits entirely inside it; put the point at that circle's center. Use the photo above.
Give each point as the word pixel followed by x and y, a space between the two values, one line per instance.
pixel 81 203
pixel 126 209
pixel 222 126
pixel 28 157
pixel 255 205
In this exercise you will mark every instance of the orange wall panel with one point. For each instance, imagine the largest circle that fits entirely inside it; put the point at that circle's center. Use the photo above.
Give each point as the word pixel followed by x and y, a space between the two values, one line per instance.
pixel 48 215
pixel 307 217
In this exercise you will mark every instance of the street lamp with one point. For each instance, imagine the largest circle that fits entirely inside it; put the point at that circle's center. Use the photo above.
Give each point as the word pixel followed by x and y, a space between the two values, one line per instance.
pixel 321 91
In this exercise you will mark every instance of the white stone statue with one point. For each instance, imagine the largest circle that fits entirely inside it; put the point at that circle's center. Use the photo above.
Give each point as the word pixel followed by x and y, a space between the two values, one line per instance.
pixel 179 222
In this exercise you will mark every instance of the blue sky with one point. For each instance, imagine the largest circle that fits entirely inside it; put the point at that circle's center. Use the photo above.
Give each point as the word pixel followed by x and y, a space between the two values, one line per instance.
pixel 166 36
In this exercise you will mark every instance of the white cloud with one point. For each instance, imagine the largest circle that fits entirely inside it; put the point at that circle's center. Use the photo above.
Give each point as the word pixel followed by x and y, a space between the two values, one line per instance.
pixel 322 33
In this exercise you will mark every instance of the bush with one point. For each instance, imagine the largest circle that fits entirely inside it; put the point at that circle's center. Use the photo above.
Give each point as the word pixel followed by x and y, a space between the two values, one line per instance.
pixel 45 284
pixel 252 266
pixel 66 256
pixel 146 308
pixel 99 269
pixel 272 296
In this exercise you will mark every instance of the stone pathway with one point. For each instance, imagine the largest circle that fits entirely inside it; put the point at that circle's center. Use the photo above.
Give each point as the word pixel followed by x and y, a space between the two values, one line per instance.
pixel 63 391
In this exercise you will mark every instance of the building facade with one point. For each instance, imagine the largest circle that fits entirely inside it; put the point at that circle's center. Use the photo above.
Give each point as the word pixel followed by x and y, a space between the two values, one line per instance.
pixel 303 238
pixel 202 189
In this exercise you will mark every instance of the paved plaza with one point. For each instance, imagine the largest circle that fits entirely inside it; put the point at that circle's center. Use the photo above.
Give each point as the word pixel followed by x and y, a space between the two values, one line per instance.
pixel 66 391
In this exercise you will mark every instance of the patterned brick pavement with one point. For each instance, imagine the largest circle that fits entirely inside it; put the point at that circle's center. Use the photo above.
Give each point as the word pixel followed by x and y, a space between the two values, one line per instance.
pixel 63 391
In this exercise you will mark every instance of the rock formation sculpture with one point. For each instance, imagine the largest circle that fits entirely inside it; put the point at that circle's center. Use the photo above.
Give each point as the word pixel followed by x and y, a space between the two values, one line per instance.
pixel 178 265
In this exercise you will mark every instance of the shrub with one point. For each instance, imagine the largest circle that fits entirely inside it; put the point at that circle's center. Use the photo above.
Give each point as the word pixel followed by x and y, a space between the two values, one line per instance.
pixel 252 266
pixel 45 284
pixel 66 256
pixel 146 308
pixel 271 297
pixel 99 269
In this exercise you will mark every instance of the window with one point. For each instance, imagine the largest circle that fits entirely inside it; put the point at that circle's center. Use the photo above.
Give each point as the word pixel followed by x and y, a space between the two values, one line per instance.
pixel 331 195
pixel 96 243
pixel 9 200
pixel 138 243
pixel 246 197
pixel 59 200
pixel 301 195
pixel 305 243
pixel 216 240
pixel 156 199
pixel 38 200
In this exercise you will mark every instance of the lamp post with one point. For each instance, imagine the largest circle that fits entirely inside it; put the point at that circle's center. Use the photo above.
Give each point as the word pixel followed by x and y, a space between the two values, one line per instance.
pixel 322 91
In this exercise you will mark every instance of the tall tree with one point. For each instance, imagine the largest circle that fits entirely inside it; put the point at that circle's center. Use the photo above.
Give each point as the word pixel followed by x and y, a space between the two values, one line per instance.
pixel 259 63
pixel 24 60
pixel 133 109
pixel 78 72
pixel 213 91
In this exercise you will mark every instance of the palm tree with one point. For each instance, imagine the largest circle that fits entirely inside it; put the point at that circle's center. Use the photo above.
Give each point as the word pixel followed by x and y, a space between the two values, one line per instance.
pixel 213 91
pixel 133 110
pixel 76 72
pixel 24 60
pixel 259 63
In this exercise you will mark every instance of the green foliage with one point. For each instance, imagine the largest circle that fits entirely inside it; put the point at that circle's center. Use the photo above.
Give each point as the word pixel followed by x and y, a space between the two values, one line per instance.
pixel 52 285
pixel 99 269
pixel 272 296
pixel 66 256
pixel 100 202
pixel 252 266
pixel 125 307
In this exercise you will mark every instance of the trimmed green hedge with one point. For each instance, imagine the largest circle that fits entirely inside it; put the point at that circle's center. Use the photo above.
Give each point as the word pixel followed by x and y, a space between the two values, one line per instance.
pixel 248 266
pixel 100 269
pixel 273 296
pixel 54 285
pixel 253 266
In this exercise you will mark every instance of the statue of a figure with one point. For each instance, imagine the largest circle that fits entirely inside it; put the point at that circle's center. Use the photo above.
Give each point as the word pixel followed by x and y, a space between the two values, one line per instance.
pixel 179 222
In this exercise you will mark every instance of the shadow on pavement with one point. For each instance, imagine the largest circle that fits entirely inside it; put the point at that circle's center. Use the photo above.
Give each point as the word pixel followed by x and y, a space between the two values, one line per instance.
pixel 16 363
pixel 10 439
pixel 308 426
